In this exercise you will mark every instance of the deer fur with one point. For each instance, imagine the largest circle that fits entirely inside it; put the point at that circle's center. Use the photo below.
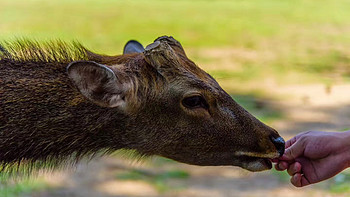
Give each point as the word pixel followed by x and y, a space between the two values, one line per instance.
pixel 60 102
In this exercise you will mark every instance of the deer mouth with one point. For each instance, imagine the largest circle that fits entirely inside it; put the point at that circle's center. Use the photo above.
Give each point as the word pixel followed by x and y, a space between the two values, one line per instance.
pixel 255 164
pixel 254 161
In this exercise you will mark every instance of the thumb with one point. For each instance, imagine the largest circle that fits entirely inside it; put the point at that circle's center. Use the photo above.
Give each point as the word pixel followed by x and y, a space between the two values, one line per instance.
pixel 294 151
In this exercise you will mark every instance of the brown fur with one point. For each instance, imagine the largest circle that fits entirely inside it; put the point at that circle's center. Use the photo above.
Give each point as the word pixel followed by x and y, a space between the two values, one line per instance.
pixel 44 118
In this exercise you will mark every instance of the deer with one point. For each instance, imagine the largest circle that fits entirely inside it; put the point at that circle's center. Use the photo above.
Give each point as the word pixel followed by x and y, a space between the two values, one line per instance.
pixel 60 102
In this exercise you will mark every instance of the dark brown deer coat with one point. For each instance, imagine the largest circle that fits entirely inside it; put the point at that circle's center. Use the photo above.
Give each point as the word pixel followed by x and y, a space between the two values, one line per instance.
pixel 59 102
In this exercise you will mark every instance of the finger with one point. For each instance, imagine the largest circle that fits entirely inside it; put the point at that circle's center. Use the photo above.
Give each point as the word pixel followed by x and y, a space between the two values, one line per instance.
pixel 294 168
pixel 290 142
pixel 282 165
pixel 304 181
pixel 294 139
pixel 296 180
pixel 294 151
pixel 299 180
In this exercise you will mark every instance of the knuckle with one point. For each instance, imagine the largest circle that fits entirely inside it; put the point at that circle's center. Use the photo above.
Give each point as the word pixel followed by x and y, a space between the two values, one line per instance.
pixel 303 139
pixel 291 152
pixel 291 170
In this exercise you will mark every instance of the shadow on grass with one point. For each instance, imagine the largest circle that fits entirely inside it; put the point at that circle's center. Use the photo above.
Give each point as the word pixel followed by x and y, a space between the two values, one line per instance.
pixel 265 109
pixel 158 179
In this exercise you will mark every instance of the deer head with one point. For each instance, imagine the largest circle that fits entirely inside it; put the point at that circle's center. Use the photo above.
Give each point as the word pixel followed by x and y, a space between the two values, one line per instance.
pixel 175 109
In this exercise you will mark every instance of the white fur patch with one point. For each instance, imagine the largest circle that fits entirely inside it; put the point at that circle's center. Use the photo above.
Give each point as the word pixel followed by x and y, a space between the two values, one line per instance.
pixel 260 155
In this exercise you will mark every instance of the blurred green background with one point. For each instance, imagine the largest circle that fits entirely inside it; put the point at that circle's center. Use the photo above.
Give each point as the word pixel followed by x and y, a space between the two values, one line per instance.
pixel 279 37
pixel 253 48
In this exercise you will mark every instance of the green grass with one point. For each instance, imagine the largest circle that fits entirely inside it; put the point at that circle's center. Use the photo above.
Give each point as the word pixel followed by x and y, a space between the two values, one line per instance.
pixel 23 187
pixel 158 180
pixel 340 183
pixel 283 176
pixel 302 35
pixel 249 73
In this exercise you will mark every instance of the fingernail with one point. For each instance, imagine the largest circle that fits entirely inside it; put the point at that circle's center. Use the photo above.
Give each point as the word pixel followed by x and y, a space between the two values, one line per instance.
pixel 284 157
pixel 296 168
pixel 296 180
pixel 281 166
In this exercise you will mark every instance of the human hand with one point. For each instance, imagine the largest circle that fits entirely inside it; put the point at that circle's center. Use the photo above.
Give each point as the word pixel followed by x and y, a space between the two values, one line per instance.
pixel 315 156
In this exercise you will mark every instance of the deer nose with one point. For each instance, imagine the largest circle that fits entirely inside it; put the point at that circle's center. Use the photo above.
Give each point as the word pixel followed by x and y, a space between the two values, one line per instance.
pixel 279 144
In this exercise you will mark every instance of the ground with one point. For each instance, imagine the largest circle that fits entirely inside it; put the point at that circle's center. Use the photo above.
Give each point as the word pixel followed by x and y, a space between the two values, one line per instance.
pixel 306 107
pixel 290 58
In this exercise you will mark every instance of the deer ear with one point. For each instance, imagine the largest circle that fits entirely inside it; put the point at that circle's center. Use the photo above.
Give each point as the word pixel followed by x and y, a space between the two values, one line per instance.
pixel 98 83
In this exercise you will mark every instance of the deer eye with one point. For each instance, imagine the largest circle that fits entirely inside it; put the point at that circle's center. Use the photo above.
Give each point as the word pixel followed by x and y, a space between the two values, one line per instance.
pixel 195 102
